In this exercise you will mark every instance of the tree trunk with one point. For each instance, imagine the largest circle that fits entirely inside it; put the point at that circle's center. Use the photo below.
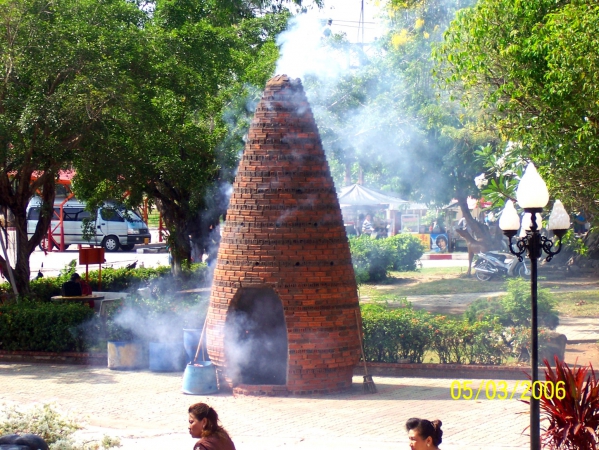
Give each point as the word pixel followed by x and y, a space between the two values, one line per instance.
pixel 17 201
pixel 180 249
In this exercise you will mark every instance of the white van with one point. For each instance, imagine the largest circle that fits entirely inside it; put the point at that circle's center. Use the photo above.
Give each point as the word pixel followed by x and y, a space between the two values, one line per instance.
pixel 115 226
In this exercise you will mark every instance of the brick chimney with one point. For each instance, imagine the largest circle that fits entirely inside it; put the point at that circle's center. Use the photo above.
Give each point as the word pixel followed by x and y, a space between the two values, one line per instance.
pixel 282 315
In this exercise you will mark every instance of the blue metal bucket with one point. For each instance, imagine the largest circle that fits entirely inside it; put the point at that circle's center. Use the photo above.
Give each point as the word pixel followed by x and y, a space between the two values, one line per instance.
pixel 199 378
pixel 167 356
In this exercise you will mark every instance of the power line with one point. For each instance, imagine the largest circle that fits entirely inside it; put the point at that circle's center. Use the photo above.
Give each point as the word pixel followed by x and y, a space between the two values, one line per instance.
pixel 354 26
pixel 351 21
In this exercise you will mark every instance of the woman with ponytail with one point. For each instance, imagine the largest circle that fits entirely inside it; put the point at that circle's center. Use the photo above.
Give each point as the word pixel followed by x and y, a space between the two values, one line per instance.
pixel 424 434
pixel 203 424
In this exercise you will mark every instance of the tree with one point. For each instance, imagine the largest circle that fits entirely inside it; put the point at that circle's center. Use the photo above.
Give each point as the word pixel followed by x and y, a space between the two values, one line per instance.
pixel 65 67
pixel 174 145
pixel 389 116
pixel 533 66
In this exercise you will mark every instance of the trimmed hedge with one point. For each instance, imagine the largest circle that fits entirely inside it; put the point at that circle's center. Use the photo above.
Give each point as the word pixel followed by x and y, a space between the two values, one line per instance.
pixel 159 279
pixel 392 335
pixel 48 327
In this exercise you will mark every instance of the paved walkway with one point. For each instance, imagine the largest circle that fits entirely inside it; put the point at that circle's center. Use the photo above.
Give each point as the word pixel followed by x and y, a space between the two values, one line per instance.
pixel 148 411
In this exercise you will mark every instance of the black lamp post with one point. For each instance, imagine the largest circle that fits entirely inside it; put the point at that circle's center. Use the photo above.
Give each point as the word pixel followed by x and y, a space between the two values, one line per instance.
pixel 532 196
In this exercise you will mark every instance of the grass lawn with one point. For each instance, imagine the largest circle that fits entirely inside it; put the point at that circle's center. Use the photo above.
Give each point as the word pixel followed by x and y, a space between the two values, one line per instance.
pixel 578 303
pixel 429 281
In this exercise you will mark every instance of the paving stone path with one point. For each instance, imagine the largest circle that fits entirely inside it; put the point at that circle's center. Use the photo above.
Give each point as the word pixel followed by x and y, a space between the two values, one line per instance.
pixel 148 411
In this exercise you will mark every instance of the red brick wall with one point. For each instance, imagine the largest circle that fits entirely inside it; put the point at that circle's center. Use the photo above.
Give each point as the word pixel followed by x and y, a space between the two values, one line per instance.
pixel 284 230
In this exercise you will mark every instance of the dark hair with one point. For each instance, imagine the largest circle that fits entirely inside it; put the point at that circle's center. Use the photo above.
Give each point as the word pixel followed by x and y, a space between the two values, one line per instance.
pixel 203 411
pixel 441 238
pixel 75 277
pixel 426 428
pixel 29 441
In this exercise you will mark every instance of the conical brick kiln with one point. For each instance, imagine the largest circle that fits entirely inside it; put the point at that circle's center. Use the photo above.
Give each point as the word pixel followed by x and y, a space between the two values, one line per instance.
pixel 282 316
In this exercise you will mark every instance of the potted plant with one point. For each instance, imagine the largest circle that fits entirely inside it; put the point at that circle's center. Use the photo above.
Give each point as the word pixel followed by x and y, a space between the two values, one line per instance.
pixel 571 407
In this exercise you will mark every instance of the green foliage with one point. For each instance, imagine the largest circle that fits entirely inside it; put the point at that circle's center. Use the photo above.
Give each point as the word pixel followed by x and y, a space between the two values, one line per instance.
pixel 372 258
pixel 391 335
pixel 517 304
pixel 155 319
pixel 67 70
pixel 519 341
pixel 160 280
pixel 30 326
pixel 408 249
pixel 44 421
pixel 514 308
pixel 388 117
pixel 394 334
pixel 461 342
pixel 572 417
pixel 530 70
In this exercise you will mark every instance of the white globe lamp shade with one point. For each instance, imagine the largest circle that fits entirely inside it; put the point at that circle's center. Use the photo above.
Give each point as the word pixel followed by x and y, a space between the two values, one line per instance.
pixel 532 191
pixel 509 220
pixel 559 218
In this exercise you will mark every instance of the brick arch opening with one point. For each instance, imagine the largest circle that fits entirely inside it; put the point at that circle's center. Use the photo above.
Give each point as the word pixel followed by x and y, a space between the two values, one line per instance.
pixel 255 344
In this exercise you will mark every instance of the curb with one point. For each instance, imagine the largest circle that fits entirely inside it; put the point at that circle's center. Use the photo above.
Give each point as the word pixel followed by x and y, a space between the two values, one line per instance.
pixel 445 256
pixel 76 358
pixel 409 370
pixel 451 371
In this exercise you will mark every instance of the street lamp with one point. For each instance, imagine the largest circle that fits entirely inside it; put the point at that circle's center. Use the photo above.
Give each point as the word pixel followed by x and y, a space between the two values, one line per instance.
pixel 532 196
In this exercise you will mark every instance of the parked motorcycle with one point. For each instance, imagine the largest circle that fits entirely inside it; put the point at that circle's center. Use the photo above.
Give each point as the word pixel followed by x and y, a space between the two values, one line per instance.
pixel 490 264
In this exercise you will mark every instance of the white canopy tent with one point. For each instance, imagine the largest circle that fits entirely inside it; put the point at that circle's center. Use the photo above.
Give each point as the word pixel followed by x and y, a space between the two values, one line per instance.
pixel 358 195
pixel 355 197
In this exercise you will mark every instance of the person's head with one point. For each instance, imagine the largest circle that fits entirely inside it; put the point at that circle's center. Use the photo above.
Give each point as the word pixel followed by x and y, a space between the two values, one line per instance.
pixel 76 278
pixel 24 441
pixel 368 217
pixel 441 242
pixel 424 434
pixel 203 421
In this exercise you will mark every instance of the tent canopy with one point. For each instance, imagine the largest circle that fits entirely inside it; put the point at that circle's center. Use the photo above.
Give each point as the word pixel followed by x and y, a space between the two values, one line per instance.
pixel 358 195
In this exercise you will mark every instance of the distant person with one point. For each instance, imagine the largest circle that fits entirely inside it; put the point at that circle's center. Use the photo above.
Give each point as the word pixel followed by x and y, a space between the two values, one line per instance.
pixel 85 288
pixel 81 286
pixel 424 434
pixel 22 442
pixel 203 424
pixel 367 226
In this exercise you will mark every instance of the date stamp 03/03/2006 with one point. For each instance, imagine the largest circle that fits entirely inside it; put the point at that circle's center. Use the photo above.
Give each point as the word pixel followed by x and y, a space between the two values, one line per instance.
pixel 500 390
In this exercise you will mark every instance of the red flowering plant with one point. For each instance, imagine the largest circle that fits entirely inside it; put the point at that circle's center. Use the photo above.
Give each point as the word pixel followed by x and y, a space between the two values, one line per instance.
pixel 570 404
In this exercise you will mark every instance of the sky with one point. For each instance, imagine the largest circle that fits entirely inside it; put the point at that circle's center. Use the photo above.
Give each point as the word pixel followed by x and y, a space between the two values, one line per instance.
pixel 346 16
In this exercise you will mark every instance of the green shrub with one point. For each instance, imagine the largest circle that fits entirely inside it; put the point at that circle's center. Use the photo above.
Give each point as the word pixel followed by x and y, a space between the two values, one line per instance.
pixel 460 342
pixel 394 334
pixel 519 342
pixel 372 258
pixel 49 327
pixel 122 280
pixel 407 250
pixel 514 309
pixel 517 304
pixel 54 428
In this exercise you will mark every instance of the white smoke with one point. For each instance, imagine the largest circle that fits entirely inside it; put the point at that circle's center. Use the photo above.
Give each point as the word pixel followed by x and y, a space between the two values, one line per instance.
pixel 302 51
